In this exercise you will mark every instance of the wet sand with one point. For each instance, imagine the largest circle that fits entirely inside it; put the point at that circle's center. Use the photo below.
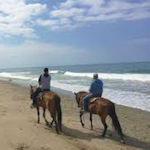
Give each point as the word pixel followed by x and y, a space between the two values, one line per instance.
pixel 19 129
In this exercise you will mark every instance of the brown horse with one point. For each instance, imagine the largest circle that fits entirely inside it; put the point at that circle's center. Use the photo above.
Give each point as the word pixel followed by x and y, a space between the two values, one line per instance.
pixel 103 108
pixel 51 101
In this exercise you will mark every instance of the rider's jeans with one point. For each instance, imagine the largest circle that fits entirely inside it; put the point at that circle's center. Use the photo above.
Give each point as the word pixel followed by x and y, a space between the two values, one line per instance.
pixel 87 98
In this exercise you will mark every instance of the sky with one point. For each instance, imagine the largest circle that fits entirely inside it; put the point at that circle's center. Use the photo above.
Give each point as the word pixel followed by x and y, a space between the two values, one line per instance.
pixel 67 32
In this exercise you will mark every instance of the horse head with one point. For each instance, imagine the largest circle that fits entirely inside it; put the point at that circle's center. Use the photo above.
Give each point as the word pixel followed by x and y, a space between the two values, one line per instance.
pixel 32 91
pixel 79 97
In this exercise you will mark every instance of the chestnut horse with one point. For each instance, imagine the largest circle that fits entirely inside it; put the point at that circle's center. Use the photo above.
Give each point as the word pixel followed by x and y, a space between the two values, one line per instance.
pixel 102 107
pixel 51 101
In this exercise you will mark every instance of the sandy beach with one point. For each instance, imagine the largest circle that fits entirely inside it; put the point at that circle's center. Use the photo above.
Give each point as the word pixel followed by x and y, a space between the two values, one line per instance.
pixel 20 131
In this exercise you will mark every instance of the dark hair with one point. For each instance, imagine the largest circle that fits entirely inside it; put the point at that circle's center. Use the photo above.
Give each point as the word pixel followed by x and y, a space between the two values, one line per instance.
pixel 45 69
pixel 95 75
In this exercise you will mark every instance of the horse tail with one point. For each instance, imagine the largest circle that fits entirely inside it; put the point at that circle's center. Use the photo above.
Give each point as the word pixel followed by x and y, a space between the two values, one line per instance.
pixel 115 121
pixel 58 111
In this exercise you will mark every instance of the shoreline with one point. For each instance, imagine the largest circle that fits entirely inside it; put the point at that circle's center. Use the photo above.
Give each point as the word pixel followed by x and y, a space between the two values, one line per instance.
pixel 64 92
pixel 19 121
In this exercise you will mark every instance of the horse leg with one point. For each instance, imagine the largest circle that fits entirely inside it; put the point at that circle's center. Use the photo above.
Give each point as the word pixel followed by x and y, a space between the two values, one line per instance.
pixel 103 119
pixel 53 115
pixel 81 114
pixel 44 116
pixel 38 113
pixel 56 125
pixel 51 124
pixel 91 121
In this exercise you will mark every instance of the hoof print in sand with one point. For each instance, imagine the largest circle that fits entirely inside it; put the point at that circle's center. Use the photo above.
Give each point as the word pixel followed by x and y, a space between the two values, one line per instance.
pixel 22 147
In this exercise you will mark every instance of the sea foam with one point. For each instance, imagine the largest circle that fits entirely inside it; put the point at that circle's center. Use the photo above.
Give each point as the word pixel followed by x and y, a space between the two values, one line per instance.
pixel 114 76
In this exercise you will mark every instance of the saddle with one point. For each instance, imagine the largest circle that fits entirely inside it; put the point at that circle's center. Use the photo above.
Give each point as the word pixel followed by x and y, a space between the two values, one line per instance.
pixel 39 96
pixel 90 102
pixel 93 99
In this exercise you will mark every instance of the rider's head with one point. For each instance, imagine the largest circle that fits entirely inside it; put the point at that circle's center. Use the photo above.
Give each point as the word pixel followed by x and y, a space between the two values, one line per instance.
pixel 46 70
pixel 95 76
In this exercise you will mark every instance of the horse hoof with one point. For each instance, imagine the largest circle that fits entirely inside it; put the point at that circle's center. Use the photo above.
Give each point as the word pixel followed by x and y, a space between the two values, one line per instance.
pixel 82 124
pixel 47 124
pixel 122 141
pixel 102 136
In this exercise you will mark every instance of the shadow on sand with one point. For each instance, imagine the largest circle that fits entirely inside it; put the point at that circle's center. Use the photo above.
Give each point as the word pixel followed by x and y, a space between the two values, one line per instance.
pixel 130 141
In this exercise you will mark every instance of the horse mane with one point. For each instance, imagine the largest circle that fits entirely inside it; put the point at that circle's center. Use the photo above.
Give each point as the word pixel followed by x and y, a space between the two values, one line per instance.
pixel 82 92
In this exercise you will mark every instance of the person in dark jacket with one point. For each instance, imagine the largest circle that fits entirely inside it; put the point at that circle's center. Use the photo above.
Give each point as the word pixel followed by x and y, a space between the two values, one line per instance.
pixel 44 85
pixel 44 80
pixel 96 90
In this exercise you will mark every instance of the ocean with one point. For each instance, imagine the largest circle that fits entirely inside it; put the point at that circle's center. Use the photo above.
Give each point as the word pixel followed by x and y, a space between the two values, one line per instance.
pixel 124 83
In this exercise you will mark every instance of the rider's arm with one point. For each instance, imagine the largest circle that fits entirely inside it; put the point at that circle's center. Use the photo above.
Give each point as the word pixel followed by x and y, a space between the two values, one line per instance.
pixel 39 81
pixel 91 87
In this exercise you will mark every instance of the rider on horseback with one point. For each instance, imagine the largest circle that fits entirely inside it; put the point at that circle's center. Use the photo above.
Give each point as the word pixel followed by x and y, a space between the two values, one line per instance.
pixel 44 85
pixel 44 80
pixel 96 90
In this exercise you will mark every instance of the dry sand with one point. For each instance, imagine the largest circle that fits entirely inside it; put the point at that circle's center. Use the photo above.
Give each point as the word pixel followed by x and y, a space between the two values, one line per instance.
pixel 19 130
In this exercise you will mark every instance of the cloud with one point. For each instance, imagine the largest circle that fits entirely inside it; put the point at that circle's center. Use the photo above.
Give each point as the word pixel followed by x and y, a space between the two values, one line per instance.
pixel 80 12
pixel 16 17
pixel 22 17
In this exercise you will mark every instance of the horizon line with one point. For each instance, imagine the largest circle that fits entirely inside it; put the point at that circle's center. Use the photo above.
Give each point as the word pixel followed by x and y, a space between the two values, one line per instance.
pixel 84 64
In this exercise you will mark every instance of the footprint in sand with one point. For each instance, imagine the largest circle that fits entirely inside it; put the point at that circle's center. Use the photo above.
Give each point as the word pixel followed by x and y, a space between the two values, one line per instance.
pixel 22 146
pixel 3 110
pixel 45 148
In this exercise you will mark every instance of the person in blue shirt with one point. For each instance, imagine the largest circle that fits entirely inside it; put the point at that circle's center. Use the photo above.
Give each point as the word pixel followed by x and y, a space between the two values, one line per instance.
pixel 96 90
